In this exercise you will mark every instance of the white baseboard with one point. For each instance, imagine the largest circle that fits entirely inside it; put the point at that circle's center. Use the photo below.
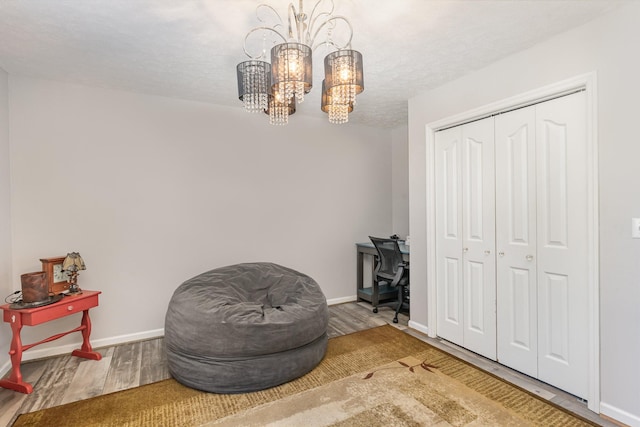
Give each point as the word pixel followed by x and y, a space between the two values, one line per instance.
pixel 139 336
pixel 41 353
pixel 34 354
pixel 121 339
pixel 342 300
pixel 418 327
pixel 619 415
pixel 5 368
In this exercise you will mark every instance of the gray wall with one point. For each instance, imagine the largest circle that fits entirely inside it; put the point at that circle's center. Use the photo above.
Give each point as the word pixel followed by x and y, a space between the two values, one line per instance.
pixel 152 191
pixel 5 202
pixel 400 181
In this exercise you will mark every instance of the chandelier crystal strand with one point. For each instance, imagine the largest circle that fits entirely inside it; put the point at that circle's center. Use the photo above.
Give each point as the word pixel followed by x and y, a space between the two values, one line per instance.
pixel 338 113
pixel 279 110
pixel 278 114
pixel 254 81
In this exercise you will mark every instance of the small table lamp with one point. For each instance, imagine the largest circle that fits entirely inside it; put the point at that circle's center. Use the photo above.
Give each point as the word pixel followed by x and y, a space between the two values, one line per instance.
pixel 73 263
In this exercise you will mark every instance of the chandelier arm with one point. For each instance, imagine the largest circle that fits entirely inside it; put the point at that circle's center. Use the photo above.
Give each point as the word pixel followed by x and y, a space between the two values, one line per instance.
pixel 312 23
pixel 313 11
pixel 332 20
pixel 284 39
pixel 264 5
pixel 327 43
pixel 313 17
pixel 292 13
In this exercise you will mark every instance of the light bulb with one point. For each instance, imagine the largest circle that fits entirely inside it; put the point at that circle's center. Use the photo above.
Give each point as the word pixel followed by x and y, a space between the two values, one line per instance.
pixel 345 74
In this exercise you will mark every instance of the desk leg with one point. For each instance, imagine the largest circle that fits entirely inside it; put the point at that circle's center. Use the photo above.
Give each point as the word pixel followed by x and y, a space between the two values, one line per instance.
pixel 14 382
pixel 359 270
pixel 86 351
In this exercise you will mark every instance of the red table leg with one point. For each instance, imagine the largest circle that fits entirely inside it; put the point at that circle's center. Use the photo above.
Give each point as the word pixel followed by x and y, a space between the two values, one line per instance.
pixel 86 351
pixel 14 382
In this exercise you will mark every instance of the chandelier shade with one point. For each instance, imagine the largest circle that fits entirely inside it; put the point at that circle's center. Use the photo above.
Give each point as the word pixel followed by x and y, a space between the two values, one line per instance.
pixel 254 84
pixel 279 109
pixel 291 70
pixel 343 74
pixel 343 80
pixel 338 113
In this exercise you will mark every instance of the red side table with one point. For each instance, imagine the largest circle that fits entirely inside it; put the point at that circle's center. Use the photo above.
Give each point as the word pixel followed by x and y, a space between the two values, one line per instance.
pixel 34 316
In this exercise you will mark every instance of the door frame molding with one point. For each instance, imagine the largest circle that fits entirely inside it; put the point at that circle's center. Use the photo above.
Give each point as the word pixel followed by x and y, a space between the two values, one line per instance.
pixel 586 82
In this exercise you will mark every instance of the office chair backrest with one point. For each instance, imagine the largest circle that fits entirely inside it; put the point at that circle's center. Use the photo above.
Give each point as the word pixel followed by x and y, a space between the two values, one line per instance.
pixel 389 255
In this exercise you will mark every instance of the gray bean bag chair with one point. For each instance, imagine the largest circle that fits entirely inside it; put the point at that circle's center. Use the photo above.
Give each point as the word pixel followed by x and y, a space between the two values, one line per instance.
pixel 245 327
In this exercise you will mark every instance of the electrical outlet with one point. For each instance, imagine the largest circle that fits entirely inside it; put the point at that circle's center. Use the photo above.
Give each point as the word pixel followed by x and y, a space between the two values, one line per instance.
pixel 635 228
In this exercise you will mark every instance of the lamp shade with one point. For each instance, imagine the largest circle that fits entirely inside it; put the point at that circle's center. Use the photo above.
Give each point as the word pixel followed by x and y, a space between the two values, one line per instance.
pixel 73 262
pixel 291 70
pixel 343 74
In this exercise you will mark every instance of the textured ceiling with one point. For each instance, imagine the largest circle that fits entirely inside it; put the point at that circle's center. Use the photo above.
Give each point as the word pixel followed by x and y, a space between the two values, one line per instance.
pixel 189 49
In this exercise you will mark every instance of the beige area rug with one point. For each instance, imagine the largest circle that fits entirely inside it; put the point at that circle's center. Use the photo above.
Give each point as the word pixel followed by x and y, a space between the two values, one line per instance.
pixel 404 393
pixel 377 377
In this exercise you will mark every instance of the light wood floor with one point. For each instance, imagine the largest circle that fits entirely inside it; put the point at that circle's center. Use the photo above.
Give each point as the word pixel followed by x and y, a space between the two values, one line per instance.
pixel 64 379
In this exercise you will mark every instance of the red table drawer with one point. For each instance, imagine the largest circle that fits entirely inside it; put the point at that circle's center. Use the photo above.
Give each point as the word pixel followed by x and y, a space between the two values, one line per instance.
pixel 67 306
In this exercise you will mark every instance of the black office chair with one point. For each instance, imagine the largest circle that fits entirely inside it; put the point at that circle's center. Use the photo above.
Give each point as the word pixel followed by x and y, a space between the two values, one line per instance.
pixel 392 270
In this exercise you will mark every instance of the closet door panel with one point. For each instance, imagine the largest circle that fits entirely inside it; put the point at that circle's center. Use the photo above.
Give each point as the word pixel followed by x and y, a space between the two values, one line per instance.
pixel 562 242
pixel 449 235
pixel 478 229
pixel 518 292
pixel 516 240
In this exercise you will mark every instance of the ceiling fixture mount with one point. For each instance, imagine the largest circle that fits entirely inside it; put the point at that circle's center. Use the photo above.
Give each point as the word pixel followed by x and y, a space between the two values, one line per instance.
pixel 275 88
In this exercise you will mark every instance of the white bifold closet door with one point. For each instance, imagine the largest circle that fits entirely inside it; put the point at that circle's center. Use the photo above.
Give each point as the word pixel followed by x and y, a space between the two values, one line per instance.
pixel 541 209
pixel 511 239
pixel 465 227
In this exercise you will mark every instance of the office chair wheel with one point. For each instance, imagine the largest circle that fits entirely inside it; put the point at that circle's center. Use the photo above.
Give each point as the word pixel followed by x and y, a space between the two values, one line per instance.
pixel 395 320
pixel 375 310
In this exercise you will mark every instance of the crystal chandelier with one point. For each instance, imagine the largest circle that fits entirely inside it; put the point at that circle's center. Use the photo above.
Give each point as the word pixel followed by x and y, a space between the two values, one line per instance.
pixel 275 88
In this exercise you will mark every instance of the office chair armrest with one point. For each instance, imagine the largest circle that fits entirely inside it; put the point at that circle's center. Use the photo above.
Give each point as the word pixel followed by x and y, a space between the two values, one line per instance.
pixel 398 276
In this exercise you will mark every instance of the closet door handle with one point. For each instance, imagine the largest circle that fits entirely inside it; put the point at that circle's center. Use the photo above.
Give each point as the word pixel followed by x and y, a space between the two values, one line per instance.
pixel 465 250
pixel 487 252
pixel 501 253
pixel 529 257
